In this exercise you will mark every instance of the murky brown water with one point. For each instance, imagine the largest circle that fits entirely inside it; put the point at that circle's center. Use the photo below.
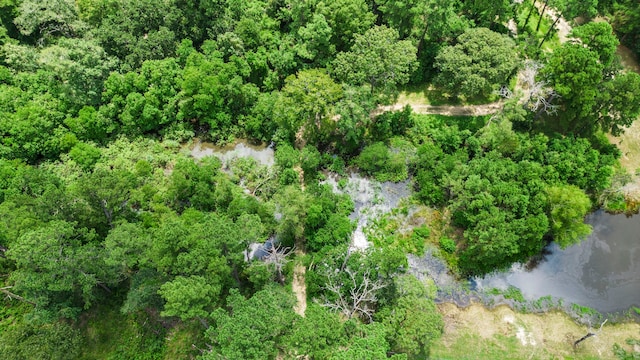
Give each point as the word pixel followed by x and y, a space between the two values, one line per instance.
pixel 602 272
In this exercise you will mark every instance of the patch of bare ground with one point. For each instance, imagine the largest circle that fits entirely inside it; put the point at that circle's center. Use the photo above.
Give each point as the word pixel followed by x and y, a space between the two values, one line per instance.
pixel 449 110
pixel 476 332
pixel 299 289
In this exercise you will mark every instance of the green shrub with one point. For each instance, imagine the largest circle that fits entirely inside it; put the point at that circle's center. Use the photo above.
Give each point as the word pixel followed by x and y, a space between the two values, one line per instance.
pixel 447 244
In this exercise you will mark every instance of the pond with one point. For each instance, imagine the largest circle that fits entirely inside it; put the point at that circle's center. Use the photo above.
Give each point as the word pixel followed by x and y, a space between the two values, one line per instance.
pixel 602 272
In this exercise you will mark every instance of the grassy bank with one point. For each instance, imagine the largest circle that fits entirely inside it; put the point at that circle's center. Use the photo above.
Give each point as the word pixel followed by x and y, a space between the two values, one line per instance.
pixel 476 332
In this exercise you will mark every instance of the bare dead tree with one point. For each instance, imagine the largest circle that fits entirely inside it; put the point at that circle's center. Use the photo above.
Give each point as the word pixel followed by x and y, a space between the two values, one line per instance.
pixel 360 297
pixel 277 258
pixel 539 96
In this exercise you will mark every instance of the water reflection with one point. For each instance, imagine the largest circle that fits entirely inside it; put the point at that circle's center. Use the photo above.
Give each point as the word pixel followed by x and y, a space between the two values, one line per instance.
pixel 602 272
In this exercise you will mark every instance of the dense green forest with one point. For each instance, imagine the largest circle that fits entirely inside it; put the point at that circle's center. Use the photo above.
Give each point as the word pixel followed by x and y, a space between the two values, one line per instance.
pixel 115 243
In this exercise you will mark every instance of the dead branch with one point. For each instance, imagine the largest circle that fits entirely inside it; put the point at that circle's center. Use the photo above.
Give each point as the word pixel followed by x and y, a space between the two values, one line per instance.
pixel 15 296
pixel 361 296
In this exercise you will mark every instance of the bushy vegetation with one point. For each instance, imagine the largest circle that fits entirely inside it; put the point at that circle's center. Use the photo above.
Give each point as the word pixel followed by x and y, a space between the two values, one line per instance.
pixel 102 211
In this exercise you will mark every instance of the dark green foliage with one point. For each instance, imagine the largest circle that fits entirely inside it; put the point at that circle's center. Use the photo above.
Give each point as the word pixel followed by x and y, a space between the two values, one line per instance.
pixel 412 321
pixel 500 197
pixel 478 63
pixel 251 327
pixel 55 341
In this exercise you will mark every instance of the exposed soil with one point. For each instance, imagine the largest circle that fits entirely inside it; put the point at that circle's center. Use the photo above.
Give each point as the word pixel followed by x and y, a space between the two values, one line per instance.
pixel 524 336
pixel 300 289
pixel 562 25
pixel 450 110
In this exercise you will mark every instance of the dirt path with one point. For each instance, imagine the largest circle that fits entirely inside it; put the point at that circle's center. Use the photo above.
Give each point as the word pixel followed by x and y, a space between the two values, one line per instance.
pixel 300 289
pixel 450 110
pixel 562 25
pixel 563 28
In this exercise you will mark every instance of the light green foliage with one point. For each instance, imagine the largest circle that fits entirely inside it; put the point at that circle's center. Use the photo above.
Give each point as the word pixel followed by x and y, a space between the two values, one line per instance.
pixel 488 13
pixel 81 66
pixel 327 221
pixel 368 342
pixel 292 204
pixel 377 58
pixel 85 155
pixel 35 131
pixel 188 297
pixel 618 105
pixel 252 327
pixel 480 61
pixel 500 198
pixel 315 41
pixel 213 93
pixel 144 100
pixel 589 91
pixel 568 205
pixel 384 163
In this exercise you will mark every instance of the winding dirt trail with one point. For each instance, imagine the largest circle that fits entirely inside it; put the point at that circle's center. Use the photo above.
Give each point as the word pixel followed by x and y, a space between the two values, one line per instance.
pixel 300 289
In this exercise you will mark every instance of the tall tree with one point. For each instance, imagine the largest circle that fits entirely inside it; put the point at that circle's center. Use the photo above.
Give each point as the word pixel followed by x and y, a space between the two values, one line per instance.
pixel 481 60
pixel 306 104
pixel 377 58
pixel 252 327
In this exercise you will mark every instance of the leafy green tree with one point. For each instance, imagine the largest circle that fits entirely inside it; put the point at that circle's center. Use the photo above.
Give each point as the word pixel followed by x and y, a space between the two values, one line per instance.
pixel 90 124
pixel 188 297
pixel 413 321
pixel 292 206
pixel 81 66
pixel 252 328
pixel 107 194
pixel 59 266
pixel 617 104
pixel 488 13
pixel 55 341
pixel 318 334
pixel 599 38
pixel 568 205
pixel 382 163
pixel 575 73
pixel 377 58
pixel 347 19
pixel 35 131
pixel 480 61
pixel 306 103
pixel 368 342
pixel 44 18
pixel 144 100
pixel 315 41
pixel 214 94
